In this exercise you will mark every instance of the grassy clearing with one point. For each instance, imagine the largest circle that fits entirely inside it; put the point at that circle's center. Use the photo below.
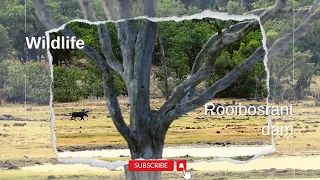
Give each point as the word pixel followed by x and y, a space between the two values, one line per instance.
pixel 100 130
pixel 192 128
pixel 306 124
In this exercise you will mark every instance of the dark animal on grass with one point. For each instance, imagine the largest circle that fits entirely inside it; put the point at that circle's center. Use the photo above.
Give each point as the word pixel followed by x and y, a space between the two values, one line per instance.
pixel 215 108
pixel 80 114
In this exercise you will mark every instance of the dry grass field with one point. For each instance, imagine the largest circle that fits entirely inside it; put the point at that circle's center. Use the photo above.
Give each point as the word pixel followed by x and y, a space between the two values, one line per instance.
pixel 192 128
pixel 27 145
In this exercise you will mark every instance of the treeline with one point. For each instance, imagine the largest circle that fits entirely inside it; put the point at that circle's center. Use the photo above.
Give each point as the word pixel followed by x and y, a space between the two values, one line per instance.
pixel 28 82
pixel 76 77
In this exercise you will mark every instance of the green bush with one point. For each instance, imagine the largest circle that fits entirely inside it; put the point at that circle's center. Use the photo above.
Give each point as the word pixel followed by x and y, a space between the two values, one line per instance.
pixel 65 87
pixel 75 84
pixel 93 82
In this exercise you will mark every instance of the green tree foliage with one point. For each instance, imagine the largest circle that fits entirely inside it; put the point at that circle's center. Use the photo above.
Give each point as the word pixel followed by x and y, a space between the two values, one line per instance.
pixel 291 77
pixel 311 43
pixel 65 85
pixel 251 83
pixel 175 8
pixel 84 76
pixel 5 45
pixel 183 40
pixel 33 78
pixel 235 7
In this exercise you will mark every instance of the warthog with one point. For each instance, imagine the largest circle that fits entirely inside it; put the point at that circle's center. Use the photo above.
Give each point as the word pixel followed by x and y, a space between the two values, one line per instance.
pixel 81 114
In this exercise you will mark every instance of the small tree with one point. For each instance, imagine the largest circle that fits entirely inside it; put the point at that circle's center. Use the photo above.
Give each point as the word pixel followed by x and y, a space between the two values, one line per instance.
pixel 146 134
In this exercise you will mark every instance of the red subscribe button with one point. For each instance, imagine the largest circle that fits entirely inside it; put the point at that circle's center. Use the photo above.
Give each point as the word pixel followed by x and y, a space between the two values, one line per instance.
pixel 151 165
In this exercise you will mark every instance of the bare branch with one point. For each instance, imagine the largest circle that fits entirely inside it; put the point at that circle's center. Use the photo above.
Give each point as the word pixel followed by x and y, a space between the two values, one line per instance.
pixel 223 83
pixel 112 101
pixel 221 41
pixel 150 7
pixel 87 10
pixel 109 85
pixel 215 88
pixel 43 14
pixel 109 9
pixel 281 44
pixel 301 12
pixel 125 8
pixel 104 37
pixel 204 51
pixel 126 35
pixel 164 67
pixel 115 110
pixel 313 8
pixel 106 47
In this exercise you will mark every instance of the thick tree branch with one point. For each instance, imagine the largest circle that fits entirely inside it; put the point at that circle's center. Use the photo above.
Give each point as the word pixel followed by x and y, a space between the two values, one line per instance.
pixel 106 47
pixel 126 35
pixel 112 101
pixel 150 8
pixel 284 42
pixel 140 84
pixel 127 32
pixel 223 83
pixel 301 12
pixel 221 41
pixel 215 88
pixel 104 37
pixel 125 9
pixel 87 10
pixel 43 14
pixel 109 9
pixel 314 7
pixel 204 51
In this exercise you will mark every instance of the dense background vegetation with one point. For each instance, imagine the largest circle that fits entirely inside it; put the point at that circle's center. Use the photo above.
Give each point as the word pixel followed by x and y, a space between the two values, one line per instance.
pixel 75 77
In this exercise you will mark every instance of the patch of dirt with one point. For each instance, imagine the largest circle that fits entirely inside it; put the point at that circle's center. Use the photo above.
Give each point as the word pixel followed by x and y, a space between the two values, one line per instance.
pixel 89 148
pixel 16 164
pixel 195 145
pixel 20 124
pixel 8 117
pixel 8 165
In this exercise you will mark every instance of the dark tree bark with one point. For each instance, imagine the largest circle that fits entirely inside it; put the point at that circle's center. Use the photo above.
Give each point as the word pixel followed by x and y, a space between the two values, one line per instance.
pixel 146 134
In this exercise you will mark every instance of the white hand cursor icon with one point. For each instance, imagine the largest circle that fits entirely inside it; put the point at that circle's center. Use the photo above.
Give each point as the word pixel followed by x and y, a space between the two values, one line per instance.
pixel 186 175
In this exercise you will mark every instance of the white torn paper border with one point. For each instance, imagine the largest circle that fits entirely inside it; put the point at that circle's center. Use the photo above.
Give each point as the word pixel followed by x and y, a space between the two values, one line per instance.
pixel 204 14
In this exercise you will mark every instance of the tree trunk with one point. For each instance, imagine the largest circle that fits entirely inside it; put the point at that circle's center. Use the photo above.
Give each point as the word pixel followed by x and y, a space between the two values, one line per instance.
pixel 152 148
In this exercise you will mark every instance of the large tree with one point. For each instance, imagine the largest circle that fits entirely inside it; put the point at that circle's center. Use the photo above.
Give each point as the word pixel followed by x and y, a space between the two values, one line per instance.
pixel 146 134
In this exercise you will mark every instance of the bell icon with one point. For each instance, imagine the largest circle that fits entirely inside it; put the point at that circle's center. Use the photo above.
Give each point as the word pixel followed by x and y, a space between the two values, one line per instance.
pixel 181 166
